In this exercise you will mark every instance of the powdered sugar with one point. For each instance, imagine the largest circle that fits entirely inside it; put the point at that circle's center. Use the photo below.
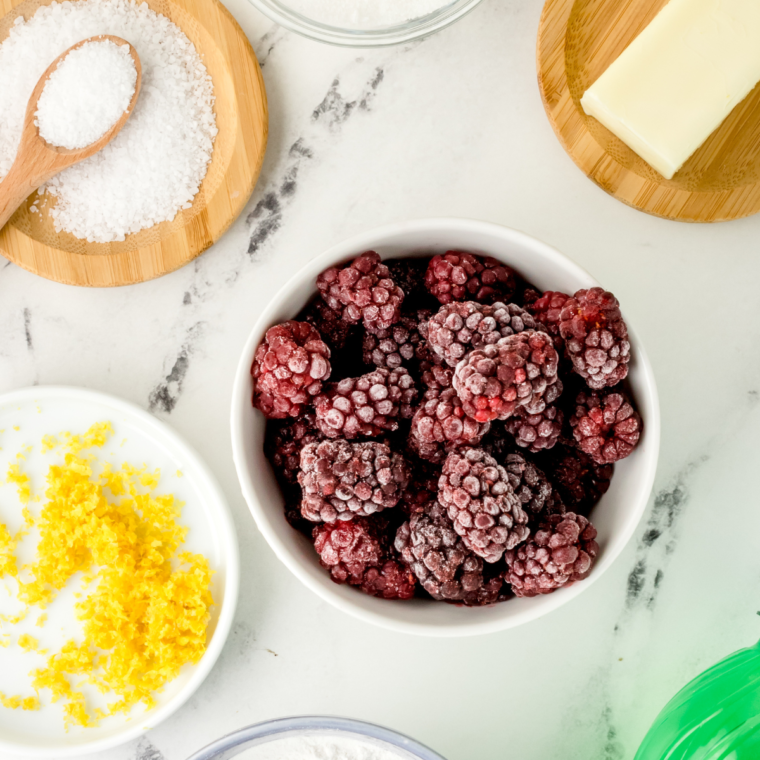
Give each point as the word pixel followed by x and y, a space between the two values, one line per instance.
pixel 322 747
pixel 86 94
pixel 155 165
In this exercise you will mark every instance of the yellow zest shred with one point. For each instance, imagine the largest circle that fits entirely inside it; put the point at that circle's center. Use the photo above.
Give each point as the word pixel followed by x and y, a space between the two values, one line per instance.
pixel 41 620
pixel 21 479
pixel 7 553
pixel 13 703
pixel 148 614
pixel 30 644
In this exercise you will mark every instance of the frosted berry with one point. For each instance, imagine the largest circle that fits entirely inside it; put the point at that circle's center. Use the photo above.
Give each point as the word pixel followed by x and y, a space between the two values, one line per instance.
pixel 284 442
pixel 514 372
pixel 460 276
pixel 560 552
pixel 348 548
pixel 341 480
pixel 333 330
pixel 596 337
pixel 481 503
pixel 458 328
pixel 362 291
pixel 530 484
pixel 366 406
pixel 440 425
pixel 288 369
pixel 393 346
pixel 547 308
pixel 605 425
pixel 536 432
pixel 444 566
pixel 579 479
pixel 391 580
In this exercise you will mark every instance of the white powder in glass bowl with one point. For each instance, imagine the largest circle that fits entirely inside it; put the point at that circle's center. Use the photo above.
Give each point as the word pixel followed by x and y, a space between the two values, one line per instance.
pixel 321 747
pixel 86 94
pixel 365 15
pixel 155 165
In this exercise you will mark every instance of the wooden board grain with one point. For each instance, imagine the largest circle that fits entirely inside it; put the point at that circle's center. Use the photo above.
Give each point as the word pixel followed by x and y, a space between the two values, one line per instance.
pixel 31 241
pixel 577 41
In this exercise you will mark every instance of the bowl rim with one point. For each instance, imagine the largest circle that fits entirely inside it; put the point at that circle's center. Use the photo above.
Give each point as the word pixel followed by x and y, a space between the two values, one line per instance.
pixel 242 738
pixel 227 534
pixel 365 38
pixel 353 246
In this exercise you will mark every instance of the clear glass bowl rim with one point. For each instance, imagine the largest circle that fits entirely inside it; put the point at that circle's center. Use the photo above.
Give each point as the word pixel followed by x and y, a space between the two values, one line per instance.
pixel 232 744
pixel 280 13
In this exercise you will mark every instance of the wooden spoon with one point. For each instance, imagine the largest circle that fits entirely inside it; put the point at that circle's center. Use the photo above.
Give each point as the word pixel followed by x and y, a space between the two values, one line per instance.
pixel 37 161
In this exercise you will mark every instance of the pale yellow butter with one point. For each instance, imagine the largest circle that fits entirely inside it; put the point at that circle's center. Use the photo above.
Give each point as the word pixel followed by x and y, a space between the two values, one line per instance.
pixel 679 79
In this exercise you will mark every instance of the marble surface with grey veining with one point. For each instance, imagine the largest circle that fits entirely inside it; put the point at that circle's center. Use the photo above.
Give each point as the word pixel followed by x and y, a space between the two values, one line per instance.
pixel 449 126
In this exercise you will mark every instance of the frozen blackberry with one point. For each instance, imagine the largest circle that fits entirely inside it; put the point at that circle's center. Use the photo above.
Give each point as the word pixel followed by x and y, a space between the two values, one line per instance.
pixel 536 432
pixel 288 369
pixel 348 548
pixel 284 442
pixel 460 276
pixel 394 346
pixel 333 330
pixel 547 308
pixel 560 553
pixel 440 425
pixel 480 501
pixel 458 328
pixel 341 480
pixel 580 481
pixel 605 425
pixel 596 337
pixel 391 580
pixel 514 372
pixel 362 291
pixel 529 483
pixel 526 296
pixel 444 566
pixel 366 406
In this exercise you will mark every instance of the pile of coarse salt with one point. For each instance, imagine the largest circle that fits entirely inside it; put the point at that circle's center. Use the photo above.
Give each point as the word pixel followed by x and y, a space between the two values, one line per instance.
pixel 86 94
pixel 155 165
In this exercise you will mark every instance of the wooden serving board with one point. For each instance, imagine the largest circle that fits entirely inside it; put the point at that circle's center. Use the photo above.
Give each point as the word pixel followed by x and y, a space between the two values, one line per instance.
pixel 30 240
pixel 577 41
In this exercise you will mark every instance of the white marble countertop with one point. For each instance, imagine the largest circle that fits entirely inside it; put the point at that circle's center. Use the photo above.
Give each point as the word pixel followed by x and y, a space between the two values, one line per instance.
pixel 452 125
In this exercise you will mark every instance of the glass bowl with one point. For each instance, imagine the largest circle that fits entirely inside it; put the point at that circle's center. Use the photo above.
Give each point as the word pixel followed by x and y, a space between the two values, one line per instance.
pixel 286 728
pixel 404 31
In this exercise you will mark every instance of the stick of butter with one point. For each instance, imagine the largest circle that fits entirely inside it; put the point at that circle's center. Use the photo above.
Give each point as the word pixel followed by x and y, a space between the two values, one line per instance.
pixel 675 84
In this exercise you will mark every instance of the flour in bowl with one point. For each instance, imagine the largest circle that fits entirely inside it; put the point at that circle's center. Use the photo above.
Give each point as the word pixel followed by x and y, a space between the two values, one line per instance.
pixel 86 95
pixel 155 165
pixel 322 747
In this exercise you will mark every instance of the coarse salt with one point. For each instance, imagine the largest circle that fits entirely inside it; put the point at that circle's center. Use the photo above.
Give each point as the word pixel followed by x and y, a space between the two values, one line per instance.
pixel 154 167
pixel 86 94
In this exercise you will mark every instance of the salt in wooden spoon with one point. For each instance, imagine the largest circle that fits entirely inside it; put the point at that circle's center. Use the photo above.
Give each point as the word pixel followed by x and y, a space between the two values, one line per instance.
pixel 37 161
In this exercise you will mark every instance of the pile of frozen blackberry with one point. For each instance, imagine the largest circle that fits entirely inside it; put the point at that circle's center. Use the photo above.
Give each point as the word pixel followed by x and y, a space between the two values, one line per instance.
pixel 441 429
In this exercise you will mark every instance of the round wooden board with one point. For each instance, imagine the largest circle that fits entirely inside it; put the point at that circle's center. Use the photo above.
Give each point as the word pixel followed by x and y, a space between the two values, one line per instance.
pixel 577 41
pixel 31 241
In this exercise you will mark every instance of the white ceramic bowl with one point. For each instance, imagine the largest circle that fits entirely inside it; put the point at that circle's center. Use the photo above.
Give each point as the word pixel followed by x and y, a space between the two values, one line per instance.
pixel 616 516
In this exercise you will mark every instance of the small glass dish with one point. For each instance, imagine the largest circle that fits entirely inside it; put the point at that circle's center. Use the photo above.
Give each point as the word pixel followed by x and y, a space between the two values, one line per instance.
pixel 393 34
pixel 313 725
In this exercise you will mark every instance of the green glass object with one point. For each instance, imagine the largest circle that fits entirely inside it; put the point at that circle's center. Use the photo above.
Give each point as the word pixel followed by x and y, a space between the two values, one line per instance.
pixel 715 717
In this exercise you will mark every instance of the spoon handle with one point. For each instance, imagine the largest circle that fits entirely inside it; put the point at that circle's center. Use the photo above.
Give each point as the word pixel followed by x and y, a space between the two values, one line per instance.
pixel 14 189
